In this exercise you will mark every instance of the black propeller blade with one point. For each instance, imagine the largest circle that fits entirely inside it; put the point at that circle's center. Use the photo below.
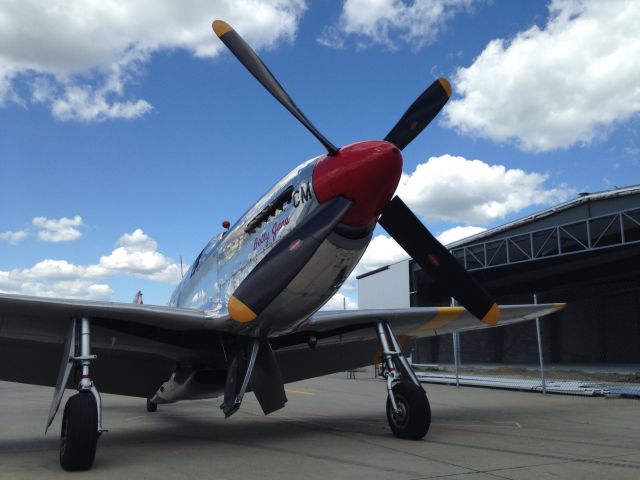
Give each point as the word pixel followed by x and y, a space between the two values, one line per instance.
pixel 252 62
pixel 420 113
pixel 436 260
pixel 398 220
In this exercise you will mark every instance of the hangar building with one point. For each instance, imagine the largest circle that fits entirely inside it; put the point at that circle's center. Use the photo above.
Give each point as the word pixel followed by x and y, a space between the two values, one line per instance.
pixel 585 252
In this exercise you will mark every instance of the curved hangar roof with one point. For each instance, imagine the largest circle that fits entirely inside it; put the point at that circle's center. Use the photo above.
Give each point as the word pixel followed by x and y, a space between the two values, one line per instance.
pixel 593 236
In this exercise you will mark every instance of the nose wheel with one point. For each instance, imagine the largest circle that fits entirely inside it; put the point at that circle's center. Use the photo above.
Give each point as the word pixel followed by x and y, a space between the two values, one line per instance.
pixel 408 410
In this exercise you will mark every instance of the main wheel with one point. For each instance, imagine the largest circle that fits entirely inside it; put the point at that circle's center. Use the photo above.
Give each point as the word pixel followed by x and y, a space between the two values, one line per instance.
pixel 79 434
pixel 413 419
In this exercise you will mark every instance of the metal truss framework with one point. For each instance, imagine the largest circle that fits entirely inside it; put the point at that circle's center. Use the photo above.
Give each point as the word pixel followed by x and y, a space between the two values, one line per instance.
pixel 593 233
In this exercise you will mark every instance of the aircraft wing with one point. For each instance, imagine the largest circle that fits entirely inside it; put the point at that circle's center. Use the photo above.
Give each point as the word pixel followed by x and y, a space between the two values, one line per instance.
pixel 58 310
pixel 346 339
pixel 138 345
pixel 424 321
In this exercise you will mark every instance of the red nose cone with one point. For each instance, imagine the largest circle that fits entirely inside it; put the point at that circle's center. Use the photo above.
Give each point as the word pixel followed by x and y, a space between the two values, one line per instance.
pixel 367 173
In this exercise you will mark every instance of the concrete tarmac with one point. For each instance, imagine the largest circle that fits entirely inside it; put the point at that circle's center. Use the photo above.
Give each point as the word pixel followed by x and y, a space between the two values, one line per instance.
pixel 335 428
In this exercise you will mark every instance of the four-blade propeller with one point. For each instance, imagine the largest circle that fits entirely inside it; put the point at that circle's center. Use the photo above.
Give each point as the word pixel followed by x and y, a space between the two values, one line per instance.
pixel 396 218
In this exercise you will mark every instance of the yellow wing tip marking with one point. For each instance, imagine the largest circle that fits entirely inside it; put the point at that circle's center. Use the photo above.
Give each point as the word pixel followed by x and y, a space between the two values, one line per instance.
pixel 221 27
pixel 443 316
pixel 492 316
pixel 239 311
pixel 559 306
pixel 448 313
pixel 446 85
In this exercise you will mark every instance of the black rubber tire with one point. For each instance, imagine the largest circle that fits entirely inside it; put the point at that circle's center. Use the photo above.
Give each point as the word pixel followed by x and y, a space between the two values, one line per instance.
pixel 151 406
pixel 79 433
pixel 414 419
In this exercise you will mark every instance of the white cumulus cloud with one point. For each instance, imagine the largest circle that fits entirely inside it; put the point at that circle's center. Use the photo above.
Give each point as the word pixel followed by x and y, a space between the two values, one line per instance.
pixel 14 236
pixel 455 189
pixel 58 230
pixel 77 56
pixel 386 22
pixel 136 255
pixel 29 283
pixel 457 233
pixel 565 84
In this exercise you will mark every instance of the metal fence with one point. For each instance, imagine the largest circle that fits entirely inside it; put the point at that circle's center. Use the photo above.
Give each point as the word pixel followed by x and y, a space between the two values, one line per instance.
pixel 620 380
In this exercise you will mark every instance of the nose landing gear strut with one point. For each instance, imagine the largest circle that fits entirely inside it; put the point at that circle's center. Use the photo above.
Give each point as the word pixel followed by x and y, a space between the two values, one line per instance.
pixel 408 410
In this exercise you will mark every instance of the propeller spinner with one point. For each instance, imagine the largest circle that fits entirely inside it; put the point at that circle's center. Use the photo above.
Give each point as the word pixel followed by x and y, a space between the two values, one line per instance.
pixel 396 218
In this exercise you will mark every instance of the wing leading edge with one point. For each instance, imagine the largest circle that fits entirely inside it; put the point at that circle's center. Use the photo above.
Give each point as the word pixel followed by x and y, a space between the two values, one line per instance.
pixel 414 322
pixel 57 310
pixel 425 321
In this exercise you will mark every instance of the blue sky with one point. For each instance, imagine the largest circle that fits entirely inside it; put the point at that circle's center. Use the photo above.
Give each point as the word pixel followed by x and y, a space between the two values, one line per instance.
pixel 125 140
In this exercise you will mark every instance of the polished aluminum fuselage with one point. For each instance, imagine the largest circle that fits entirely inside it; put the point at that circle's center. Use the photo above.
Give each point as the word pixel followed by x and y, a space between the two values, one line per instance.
pixel 229 257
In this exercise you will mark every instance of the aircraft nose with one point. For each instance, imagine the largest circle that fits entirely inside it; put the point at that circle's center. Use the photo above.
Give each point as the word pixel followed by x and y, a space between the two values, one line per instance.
pixel 367 173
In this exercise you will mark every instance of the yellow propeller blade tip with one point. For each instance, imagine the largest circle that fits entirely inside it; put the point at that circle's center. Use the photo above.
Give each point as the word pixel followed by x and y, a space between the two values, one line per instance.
pixel 446 85
pixel 239 311
pixel 492 316
pixel 220 27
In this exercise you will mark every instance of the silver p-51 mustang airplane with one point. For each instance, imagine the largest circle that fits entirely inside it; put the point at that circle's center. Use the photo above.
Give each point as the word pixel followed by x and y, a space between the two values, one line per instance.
pixel 245 316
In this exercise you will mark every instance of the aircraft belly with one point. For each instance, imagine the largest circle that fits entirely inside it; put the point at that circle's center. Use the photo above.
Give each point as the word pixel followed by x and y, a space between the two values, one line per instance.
pixel 191 384
pixel 296 363
pixel 300 363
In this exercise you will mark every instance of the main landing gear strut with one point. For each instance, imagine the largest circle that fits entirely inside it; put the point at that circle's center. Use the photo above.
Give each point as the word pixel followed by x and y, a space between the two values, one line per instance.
pixel 408 410
pixel 81 420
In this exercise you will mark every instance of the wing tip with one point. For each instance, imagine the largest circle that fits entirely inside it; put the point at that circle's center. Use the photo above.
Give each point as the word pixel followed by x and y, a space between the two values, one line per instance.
pixel 492 316
pixel 221 27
